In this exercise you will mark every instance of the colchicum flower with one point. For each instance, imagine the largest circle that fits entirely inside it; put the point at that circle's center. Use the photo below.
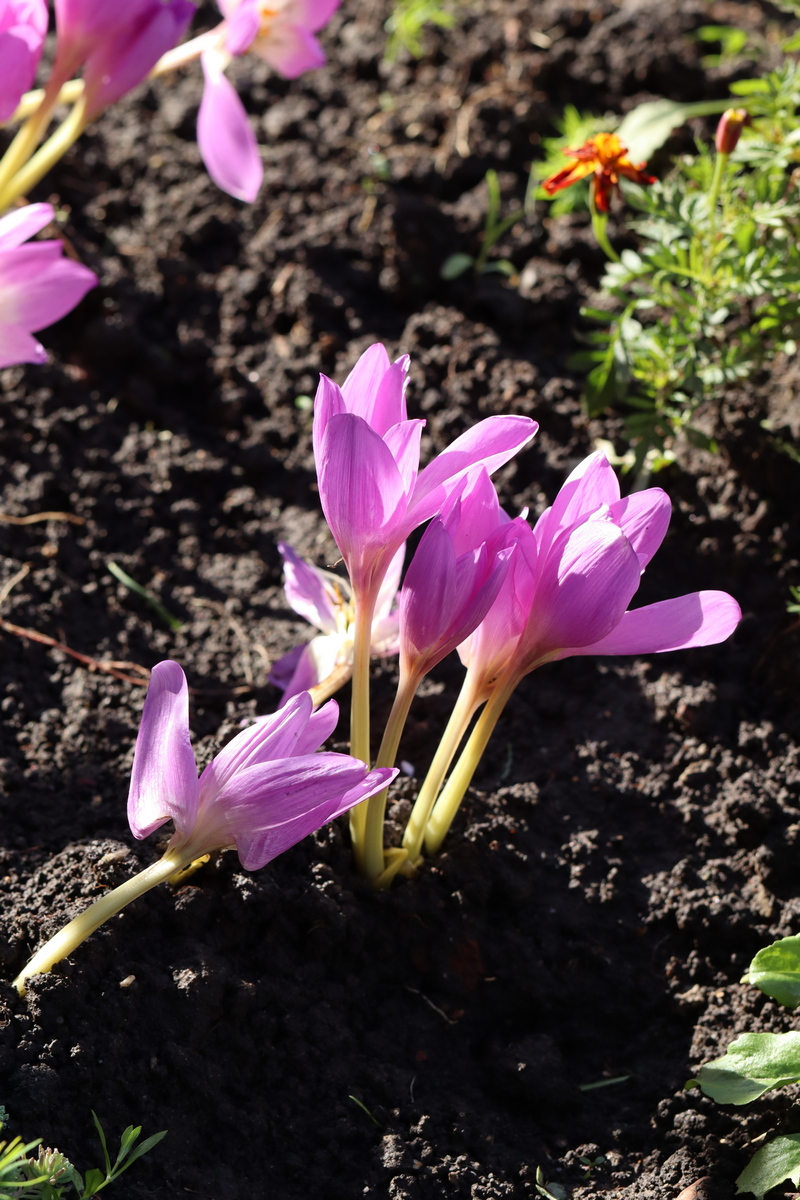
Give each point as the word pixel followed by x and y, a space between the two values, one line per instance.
pixel 604 158
pixel 576 576
pixel 37 285
pixel 23 25
pixel 325 600
pixel 261 794
pixel 281 32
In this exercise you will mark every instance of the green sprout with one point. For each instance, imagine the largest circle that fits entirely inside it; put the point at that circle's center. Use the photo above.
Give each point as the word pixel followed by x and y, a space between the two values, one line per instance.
pixel 132 586
pixel 494 226
pixel 406 25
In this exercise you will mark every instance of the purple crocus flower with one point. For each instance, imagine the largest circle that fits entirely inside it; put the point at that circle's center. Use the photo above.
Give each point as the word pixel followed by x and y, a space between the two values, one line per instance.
pixel 367 453
pixel 455 576
pixel 263 792
pixel 281 32
pixel 325 600
pixel 117 43
pixel 23 25
pixel 37 285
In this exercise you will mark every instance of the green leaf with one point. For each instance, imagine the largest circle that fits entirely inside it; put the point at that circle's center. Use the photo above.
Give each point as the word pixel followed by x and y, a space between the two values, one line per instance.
pixel 456 265
pixel 502 266
pixel 749 87
pixel 754 1064
pixel 146 1146
pixel 778 1160
pixel 776 971
pixel 93 1181
pixel 102 1137
pixel 648 126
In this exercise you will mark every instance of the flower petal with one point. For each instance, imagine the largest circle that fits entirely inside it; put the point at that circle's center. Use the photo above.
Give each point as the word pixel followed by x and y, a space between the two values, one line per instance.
pixel 328 403
pixel 403 441
pixel 22 223
pixel 698 619
pixel 292 730
pixel 388 592
pixel 270 807
pixel 289 49
pixel 18 346
pixel 375 389
pixel 242 27
pixel 164 774
pixel 308 590
pixel 592 484
pixel 643 517
pixel 37 287
pixel 226 141
pixel 491 442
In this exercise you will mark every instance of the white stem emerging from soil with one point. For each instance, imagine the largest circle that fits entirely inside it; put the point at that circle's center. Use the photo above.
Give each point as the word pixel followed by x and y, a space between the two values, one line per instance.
pixel 79 928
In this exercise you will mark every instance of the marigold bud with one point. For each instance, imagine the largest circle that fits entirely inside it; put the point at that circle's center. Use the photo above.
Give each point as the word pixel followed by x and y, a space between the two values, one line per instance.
pixel 731 124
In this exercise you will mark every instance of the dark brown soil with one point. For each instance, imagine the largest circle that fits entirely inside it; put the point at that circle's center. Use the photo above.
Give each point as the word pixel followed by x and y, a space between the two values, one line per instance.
pixel 631 838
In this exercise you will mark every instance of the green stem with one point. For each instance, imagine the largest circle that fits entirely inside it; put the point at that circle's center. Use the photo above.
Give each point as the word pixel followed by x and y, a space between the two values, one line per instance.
pixel 469 699
pixel 47 156
pixel 448 803
pixel 376 805
pixel 359 714
pixel 716 183
pixel 68 94
pixel 599 225
pixel 79 928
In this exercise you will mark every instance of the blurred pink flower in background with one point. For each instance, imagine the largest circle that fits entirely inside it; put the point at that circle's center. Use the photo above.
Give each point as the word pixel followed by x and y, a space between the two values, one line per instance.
pixel 37 285
pixel 23 24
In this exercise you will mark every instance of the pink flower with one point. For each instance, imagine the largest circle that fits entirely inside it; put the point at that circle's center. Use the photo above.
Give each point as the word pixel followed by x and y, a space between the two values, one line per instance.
pixel 325 600
pixel 23 25
pixel 37 285
pixel 281 32
pixel 582 568
pixel 262 793
pixel 118 42
pixel 367 453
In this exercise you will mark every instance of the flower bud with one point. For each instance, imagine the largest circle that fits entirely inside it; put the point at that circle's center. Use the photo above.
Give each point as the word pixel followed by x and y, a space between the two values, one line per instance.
pixel 731 124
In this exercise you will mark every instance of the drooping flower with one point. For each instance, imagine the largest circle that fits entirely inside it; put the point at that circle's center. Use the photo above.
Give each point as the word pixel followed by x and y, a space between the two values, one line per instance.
pixel 263 792
pixel 367 453
pixel 326 601
pixel 23 25
pixel 37 285
pixel 604 158
pixel 281 32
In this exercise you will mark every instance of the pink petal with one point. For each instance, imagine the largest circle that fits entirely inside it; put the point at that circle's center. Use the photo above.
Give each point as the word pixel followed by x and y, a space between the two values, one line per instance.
pixel 313 14
pixel 360 489
pixel 224 136
pixel 22 223
pixel 308 590
pixel 427 593
pixel 472 513
pixel 328 403
pixel 164 774
pixel 388 590
pixel 583 589
pixel 698 619
pixel 284 734
pixel 643 517
pixel 17 346
pixel 242 28
pixel 403 442
pixel 37 288
pixel 592 484
pixel 20 50
pixel 270 807
pixel 118 64
pixel 289 49
pixel 375 389
pixel 491 442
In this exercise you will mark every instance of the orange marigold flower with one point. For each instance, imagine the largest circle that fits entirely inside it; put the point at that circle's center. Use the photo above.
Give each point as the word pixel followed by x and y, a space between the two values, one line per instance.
pixel 605 158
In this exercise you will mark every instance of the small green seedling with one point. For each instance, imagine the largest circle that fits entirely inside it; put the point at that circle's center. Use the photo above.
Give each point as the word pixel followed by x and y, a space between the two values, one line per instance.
pixel 494 226
pixel 156 605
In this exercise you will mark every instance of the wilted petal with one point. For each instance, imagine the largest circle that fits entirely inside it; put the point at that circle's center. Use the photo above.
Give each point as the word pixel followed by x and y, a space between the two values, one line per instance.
pixel 164 774
pixel 270 807
pixel 224 136
pixel 308 590
pixel 698 619
pixel 643 517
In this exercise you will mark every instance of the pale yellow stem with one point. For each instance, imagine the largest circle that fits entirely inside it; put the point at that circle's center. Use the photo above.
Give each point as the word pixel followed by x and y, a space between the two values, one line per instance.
pixel 359 714
pixel 330 685
pixel 47 156
pixel 29 135
pixel 469 700
pixel 79 928
pixel 28 104
pixel 448 803
pixel 375 865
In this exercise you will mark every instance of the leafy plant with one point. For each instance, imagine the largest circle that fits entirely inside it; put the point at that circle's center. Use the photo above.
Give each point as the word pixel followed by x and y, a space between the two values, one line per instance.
pixel 756 1063
pixel 574 128
pixel 494 226
pixel 407 21
pixel 50 1175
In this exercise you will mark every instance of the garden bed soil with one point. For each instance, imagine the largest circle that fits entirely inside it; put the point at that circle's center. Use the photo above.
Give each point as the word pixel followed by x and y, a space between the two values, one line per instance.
pixel 540 995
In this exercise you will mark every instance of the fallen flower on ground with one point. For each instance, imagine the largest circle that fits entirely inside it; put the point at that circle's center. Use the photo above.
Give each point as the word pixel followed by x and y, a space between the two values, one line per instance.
pixel 37 284
pixel 264 791
pixel 325 600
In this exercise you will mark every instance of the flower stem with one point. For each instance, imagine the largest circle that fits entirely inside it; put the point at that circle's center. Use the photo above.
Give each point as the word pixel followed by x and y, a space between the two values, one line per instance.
pixel 30 134
pixel 599 226
pixel 469 699
pixel 79 928
pixel 359 713
pixel 448 803
pixel 47 156
pixel 374 861
pixel 330 685
pixel 716 183
pixel 30 101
